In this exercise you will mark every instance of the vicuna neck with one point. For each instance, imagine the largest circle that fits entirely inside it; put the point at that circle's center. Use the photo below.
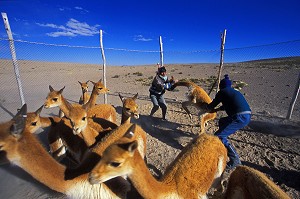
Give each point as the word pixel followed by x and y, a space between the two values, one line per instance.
pixel 144 182
pixel 125 119
pixel 65 106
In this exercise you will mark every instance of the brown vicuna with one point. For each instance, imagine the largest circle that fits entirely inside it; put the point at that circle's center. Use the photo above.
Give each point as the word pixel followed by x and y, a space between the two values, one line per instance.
pixel 105 111
pixel 84 98
pixel 88 128
pixel 249 183
pixel 199 98
pixel 18 146
pixel 190 175
pixel 77 133
pixel 34 121
pixel 129 109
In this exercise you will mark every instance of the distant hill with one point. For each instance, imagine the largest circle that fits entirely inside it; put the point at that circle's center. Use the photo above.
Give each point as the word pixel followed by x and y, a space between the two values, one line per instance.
pixel 274 63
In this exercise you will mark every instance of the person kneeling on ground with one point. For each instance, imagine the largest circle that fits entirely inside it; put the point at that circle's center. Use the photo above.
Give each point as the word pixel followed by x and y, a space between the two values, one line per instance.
pixel 159 85
pixel 239 116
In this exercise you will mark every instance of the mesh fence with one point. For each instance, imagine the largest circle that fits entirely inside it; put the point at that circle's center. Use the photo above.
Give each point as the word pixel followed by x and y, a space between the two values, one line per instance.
pixel 277 64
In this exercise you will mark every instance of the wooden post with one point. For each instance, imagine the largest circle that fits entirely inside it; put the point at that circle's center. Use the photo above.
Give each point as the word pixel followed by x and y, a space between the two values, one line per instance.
pixel 14 56
pixel 161 51
pixel 290 111
pixel 223 36
pixel 104 65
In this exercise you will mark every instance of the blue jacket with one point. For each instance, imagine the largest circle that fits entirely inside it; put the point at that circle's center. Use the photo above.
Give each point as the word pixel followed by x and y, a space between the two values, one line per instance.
pixel 233 102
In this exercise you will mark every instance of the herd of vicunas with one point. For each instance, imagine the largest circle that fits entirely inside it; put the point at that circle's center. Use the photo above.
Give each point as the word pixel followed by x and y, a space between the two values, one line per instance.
pixel 110 159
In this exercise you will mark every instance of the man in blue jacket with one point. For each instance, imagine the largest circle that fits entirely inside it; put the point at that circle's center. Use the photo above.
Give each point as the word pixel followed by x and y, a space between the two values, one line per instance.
pixel 239 116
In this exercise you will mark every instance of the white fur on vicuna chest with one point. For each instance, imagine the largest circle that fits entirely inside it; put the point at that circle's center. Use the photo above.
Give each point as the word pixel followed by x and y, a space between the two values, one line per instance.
pixel 85 190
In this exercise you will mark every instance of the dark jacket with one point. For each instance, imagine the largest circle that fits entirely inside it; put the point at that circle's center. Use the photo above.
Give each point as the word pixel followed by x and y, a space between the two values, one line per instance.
pixel 233 102
pixel 159 85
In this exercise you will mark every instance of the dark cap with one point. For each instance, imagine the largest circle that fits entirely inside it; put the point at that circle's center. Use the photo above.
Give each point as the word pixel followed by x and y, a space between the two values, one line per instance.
pixel 225 82
pixel 162 69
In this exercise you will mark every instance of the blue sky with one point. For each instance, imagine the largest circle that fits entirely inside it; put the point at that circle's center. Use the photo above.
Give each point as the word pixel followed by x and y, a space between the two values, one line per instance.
pixel 189 25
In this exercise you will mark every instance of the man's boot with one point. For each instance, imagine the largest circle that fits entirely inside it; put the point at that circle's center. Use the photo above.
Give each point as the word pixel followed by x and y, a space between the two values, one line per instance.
pixel 234 159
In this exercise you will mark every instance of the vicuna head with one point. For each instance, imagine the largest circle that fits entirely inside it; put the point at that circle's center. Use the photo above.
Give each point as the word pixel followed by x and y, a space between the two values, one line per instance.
pixel 130 107
pixel 54 98
pixel 99 87
pixel 10 134
pixel 33 121
pixel 116 159
pixel 79 119
pixel 84 86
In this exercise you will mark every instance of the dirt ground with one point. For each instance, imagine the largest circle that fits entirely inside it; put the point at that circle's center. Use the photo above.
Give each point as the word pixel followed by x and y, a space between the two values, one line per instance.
pixel 270 143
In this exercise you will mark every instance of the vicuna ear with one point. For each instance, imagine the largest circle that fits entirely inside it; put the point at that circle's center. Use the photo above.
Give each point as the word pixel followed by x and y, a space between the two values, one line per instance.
pixel 79 82
pixel 121 97
pixel 130 147
pixel 130 132
pixel 100 80
pixel 61 90
pixel 50 88
pixel 93 82
pixel 87 81
pixel 38 112
pixel 135 96
pixel 19 119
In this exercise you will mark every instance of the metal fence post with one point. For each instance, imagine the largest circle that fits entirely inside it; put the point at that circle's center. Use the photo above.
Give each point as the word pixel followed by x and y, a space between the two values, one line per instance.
pixel 104 65
pixel 161 51
pixel 291 108
pixel 14 56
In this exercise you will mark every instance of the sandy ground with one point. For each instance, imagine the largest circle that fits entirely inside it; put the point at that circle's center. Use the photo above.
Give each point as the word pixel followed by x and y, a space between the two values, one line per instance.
pixel 270 143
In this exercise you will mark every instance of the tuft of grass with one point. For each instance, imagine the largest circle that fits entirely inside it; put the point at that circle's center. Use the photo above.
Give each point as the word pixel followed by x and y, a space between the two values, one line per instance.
pixel 115 76
pixel 138 73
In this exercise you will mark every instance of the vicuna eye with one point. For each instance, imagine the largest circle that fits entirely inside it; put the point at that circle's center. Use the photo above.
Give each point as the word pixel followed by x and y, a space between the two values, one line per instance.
pixel 127 109
pixel 100 88
pixel 33 124
pixel 115 164
pixel 55 99
pixel 83 119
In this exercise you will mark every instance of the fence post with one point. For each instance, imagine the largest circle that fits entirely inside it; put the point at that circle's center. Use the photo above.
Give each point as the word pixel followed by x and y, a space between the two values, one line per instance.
pixel 161 51
pixel 290 111
pixel 223 37
pixel 14 56
pixel 104 65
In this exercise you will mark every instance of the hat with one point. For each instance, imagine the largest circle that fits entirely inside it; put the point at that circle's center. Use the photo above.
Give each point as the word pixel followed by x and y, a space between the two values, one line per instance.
pixel 162 69
pixel 225 82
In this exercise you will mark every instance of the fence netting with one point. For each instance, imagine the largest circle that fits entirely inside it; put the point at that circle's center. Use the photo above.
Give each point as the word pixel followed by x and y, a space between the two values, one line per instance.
pixel 33 58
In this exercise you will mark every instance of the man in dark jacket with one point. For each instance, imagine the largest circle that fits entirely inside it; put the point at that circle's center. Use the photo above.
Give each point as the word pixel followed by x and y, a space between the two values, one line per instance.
pixel 239 115
pixel 159 85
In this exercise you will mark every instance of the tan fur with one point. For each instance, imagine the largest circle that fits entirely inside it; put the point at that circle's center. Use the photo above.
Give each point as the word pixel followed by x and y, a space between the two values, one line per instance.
pixel 190 175
pixel 199 98
pixel 129 109
pixel 105 111
pixel 249 183
pixel 34 121
pixel 84 98
pixel 119 133
pixel 20 147
pixel 81 124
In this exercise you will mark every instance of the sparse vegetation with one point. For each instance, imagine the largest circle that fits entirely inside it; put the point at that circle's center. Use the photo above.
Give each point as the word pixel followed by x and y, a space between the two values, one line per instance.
pixel 138 74
pixel 115 76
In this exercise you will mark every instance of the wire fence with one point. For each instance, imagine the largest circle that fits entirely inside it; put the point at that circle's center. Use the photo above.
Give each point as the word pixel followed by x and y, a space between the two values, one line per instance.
pixel 277 64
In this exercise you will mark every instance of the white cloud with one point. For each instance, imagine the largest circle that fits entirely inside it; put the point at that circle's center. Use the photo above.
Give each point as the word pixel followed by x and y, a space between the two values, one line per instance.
pixel 81 9
pixel 141 38
pixel 72 28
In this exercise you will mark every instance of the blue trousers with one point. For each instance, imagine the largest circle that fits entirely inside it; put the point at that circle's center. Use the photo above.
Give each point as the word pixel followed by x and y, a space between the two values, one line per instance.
pixel 158 101
pixel 229 125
